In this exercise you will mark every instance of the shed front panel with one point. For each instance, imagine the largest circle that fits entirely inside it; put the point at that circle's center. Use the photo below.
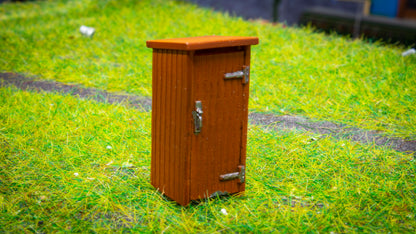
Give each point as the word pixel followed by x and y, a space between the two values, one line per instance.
pixel 217 149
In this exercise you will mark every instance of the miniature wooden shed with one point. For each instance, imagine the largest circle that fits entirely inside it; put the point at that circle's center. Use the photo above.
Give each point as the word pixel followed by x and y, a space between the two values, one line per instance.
pixel 199 115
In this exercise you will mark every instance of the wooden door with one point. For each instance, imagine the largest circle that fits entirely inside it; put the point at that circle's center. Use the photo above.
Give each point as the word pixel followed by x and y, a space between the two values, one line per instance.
pixel 220 146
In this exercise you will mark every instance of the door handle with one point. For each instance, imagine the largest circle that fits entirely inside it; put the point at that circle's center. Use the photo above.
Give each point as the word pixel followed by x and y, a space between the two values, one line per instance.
pixel 197 114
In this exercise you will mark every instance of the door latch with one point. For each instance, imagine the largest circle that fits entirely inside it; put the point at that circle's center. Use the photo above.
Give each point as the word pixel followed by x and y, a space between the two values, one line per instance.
pixel 241 174
pixel 197 114
pixel 245 73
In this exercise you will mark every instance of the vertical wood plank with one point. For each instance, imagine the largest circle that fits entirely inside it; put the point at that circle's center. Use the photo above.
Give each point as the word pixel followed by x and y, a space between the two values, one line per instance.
pixel 187 166
pixel 189 74
pixel 176 125
pixel 154 92
pixel 216 150
pixel 169 124
pixel 245 96
pixel 168 115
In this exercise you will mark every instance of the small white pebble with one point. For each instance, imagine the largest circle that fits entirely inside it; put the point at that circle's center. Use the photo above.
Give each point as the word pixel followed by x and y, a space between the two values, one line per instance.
pixel 127 165
pixel 224 211
pixel 76 174
pixel 109 147
pixel 409 52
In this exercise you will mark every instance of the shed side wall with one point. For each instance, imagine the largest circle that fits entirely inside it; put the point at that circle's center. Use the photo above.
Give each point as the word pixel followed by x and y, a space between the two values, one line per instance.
pixel 170 123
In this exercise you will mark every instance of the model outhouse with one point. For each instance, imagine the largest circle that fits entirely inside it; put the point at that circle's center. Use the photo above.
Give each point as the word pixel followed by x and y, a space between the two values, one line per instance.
pixel 199 115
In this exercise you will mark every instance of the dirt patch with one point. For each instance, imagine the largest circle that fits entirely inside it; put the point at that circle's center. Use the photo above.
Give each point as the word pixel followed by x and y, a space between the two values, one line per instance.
pixel 27 83
pixel 278 123
pixel 338 131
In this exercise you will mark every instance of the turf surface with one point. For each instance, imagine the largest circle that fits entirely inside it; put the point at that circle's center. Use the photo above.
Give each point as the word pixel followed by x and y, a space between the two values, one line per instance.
pixel 73 165
pixel 294 71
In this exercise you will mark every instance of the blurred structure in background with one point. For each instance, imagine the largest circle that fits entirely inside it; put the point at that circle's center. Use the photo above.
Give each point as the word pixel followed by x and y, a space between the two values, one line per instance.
pixel 407 9
pixel 288 11
pixel 392 21
pixel 389 20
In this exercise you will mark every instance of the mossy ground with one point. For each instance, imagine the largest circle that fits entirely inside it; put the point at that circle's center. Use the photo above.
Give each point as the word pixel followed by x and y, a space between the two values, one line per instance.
pixel 294 71
pixel 78 165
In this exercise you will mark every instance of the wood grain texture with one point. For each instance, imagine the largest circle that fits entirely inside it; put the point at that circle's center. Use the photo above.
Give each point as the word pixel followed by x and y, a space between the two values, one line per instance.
pixel 169 124
pixel 199 43
pixel 187 166
pixel 216 150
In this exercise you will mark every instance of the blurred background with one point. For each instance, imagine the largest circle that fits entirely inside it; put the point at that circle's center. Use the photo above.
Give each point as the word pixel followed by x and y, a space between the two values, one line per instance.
pixel 389 20
pixel 392 21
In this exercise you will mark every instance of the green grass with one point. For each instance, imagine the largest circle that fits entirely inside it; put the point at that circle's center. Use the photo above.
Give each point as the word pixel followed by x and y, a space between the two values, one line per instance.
pixel 294 71
pixel 57 173
pixel 73 165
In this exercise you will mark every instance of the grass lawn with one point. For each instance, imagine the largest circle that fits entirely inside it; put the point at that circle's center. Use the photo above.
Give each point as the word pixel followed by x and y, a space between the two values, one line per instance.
pixel 74 165
pixel 294 71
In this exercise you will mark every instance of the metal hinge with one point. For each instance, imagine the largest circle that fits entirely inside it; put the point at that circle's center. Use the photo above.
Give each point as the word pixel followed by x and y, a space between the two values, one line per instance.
pixel 241 174
pixel 197 114
pixel 245 74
